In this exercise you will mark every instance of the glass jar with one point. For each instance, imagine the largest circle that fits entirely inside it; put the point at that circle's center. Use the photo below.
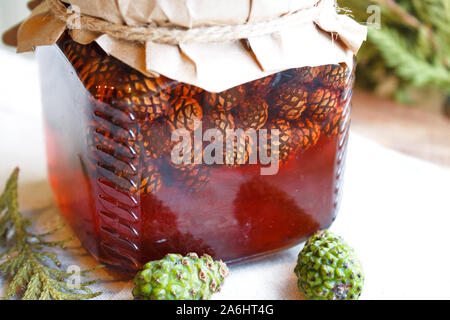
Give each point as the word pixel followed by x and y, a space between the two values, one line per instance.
pixel 111 141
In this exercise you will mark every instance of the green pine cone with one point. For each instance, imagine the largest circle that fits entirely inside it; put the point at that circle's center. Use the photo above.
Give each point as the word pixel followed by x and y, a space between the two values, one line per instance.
pixel 176 277
pixel 328 269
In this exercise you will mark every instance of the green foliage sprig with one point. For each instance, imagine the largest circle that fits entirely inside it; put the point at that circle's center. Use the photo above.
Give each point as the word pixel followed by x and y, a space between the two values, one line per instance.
pixel 32 272
pixel 412 46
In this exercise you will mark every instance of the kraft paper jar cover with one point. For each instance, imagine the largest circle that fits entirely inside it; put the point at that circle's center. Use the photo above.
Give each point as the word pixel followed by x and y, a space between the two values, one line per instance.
pixel 321 36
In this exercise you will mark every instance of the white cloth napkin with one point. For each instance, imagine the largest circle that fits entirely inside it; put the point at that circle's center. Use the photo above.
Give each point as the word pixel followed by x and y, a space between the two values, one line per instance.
pixel 395 210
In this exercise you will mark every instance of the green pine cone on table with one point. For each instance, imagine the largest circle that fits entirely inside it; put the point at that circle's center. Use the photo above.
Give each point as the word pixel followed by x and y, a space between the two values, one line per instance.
pixel 328 269
pixel 177 277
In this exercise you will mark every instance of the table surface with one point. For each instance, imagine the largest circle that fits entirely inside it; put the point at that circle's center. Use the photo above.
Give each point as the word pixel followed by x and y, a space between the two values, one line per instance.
pixel 395 209
pixel 409 129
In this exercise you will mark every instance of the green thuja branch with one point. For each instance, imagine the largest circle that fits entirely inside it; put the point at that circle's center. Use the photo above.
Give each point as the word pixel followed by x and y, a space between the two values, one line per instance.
pixel 32 272
pixel 410 65
pixel 412 46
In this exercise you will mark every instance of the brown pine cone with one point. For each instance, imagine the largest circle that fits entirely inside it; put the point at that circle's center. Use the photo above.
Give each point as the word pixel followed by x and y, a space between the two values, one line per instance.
pixel 289 100
pixel 217 118
pixel 338 117
pixel 135 98
pixel 223 121
pixel 95 68
pixel 332 123
pixel 260 87
pixel 92 68
pixel 156 138
pixel 186 90
pixel 150 179
pixel 332 75
pixel 226 100
pixel 305 133
pixel 113 82
pixel 184 113
pixel 148 107
pixel 304 75
pixel 147 97
pixel 193 178
pixel 240 153
pixel 321 102
pixel 285 144
pixel 252 114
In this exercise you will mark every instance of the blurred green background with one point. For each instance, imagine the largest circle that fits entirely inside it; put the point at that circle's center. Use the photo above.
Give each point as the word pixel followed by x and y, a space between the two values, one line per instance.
pixel 407 55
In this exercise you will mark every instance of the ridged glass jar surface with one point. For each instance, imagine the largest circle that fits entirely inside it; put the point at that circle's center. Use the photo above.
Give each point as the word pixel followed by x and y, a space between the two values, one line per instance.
pixel 109 134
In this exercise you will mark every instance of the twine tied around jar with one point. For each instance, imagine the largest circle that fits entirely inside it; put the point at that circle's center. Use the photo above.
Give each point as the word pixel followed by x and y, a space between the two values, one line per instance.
pixel 173 35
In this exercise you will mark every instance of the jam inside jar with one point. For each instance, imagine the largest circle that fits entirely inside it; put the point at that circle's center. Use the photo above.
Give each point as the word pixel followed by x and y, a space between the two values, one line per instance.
pixel 109 132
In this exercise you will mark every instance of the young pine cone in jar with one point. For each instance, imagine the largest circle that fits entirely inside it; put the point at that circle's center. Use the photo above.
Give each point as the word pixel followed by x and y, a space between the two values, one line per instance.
pixel 156 138
pixel 148 97
pixel 240 151
pixel 148 106
pixel 185 113
pixel 285 141
pixel 260 87
pixel 332 124
pixel 290 100
pixel 145 98
pixel 251 114
pixel 190 175
pixel 217 118
pixel 114 82
pixel 150 179
pixel 91 67
pixel 333 75
pixel 303 75
pixel 186 90
pixel 226 100
pixel 193 178
pixel 305 133
pixel 321 102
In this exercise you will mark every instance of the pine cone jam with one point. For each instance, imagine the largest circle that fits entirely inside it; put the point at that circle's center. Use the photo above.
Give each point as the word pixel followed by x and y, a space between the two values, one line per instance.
pixel 111 134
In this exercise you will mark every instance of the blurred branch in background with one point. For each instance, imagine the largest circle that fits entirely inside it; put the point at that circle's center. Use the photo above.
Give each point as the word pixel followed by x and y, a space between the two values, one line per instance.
pixel 410 50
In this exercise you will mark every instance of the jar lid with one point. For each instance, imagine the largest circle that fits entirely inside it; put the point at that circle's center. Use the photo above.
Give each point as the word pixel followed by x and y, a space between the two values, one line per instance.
pixel 212 44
